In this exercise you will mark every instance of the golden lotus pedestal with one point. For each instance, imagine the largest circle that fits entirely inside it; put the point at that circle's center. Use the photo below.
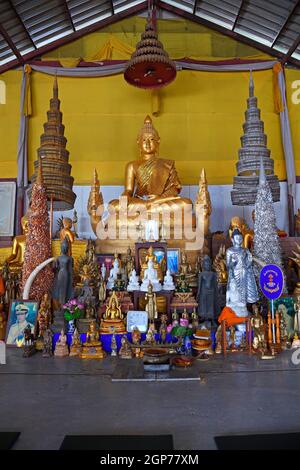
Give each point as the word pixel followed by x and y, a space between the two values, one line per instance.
pixel 92 351
pixel 107 327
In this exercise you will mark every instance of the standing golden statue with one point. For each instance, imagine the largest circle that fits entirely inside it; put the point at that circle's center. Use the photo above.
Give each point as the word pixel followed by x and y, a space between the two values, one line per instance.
pixel 203 209
pixel 150 182
pixel 151 304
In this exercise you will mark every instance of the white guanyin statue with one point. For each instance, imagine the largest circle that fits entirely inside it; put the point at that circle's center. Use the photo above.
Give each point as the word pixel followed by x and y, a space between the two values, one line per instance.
pixel 133 282
pixel 150 275
pixel 113 274
pixel 168 281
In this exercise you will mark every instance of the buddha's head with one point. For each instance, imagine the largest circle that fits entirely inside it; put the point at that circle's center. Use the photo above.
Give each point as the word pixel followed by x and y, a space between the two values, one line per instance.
pixel 148 139
pixel 237 222
pixel 24 224
pixel 237 237
pixel 67 222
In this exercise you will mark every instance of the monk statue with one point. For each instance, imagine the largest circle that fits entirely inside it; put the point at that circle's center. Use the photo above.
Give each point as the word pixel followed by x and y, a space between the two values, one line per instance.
pixel 149 182
pixel 16 258
pixel 151 256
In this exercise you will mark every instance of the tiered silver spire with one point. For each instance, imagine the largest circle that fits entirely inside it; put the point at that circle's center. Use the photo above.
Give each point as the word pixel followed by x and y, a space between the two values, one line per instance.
pixel 254 148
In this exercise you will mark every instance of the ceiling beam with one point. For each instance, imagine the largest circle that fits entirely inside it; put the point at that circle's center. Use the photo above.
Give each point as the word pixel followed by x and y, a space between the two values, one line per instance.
pixel 288 18
pixel 112 7
pixel 220 29
pixel 66 8
pixel 136 9
pixel 287 56
pixel 12 6
pixel 7 38
pixel 238 14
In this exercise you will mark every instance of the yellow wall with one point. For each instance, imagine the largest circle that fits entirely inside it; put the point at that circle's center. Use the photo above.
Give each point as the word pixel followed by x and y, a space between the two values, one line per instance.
pixel 9 124
pixel 200 122
pixel 294 112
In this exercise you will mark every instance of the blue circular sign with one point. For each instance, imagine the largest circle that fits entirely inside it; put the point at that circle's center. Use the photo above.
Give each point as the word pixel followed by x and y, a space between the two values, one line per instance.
pixel 271 281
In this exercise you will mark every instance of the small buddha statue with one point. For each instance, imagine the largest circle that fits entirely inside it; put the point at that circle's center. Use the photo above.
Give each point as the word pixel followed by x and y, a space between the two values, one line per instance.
pixel 102 290
pixel 185 269
pixel 129 263
pixel 168 282
pixel 150 256
pixel 125 351
pixel 133 282
pixel 47 343
pixel 113 273
pixel 258 328
pixel 113 317
pixel 92 347
pixel 75 348
pixel 67 233
pixel 150 338
pixel 16 259
pixel 44 314
pixel 151 183
pixel 89 310
pixel 150 277
pixel 151 304
pixel 61 347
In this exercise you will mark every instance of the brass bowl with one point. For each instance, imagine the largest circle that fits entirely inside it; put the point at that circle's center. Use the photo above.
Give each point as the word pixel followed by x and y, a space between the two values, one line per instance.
pixel 155 355
pixel 183 361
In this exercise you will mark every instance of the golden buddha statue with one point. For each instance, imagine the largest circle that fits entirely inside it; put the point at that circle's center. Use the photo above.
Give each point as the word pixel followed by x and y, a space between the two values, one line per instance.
pixel 151 182
pixel 16 258
pixel 151 304
pixel 186 272
pixel 92 347
pixel 113 317
pixel 151 256
pixel 240 224
pixel 75 348
pixel 67 233
pixel 203 209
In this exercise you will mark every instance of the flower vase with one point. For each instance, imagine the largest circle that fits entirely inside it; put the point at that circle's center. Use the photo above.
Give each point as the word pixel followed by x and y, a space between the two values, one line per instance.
pixel 70 327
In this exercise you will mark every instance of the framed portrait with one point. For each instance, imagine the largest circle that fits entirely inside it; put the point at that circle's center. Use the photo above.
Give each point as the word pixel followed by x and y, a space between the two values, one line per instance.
pixel 21 314
pixel 173 256
pixel 285 306
pixel 8 190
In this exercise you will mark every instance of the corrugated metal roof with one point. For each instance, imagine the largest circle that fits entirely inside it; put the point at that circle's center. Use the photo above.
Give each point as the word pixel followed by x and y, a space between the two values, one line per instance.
pixel 29 27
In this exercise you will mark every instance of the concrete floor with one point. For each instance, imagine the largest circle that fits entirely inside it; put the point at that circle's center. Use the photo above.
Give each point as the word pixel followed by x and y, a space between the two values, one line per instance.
pixel 46 399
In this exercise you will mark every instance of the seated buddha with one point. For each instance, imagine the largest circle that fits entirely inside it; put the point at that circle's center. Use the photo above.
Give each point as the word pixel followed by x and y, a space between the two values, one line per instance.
pixel 151 181
pixel 16 258
pixel 92 347
pixel 151 256
pixel 113 317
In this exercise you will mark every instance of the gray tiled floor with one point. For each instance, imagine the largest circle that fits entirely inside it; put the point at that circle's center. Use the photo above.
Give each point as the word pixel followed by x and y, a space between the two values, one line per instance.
pixel 48 398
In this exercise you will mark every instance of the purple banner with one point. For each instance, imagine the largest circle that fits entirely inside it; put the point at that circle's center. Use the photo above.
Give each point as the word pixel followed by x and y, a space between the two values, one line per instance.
pixel 271 281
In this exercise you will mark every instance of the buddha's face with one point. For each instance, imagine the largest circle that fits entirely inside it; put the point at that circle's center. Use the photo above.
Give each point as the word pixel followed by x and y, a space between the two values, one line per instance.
pixel 67 223
pixel 238 239
pixel 24 223
pixel 113 304
pixel 148 143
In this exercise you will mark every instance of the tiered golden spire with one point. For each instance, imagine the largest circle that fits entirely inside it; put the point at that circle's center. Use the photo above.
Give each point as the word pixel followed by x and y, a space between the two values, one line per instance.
pixel 56 168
